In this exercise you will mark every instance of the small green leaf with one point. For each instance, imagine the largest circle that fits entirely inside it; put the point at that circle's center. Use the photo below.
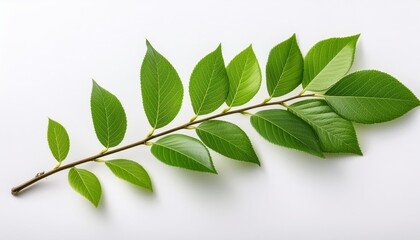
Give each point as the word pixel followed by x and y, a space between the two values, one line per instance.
pixel 327 62
pixel 108 116
pixel 244 78
pixel 85 183
pixel 335 133
pixel 370 96
pixel 285 129
pixel 58 140
pixel 183 151
pixel 284 68
pixel 227 139
pixel 161 88
pixel 209 83
pixel 131 172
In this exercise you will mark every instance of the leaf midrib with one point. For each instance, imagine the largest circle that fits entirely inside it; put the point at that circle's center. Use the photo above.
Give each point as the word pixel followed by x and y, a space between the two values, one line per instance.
pixel 312 123
pixel 281 75
pixel 230 143
pixel 57 143
pixel 288 133
pixel 106 115
pixel 376 98
pixel 126 171
pixel 154 58
pixel 84 185
pixel 175 150
pixel 208 86
pixel 240 79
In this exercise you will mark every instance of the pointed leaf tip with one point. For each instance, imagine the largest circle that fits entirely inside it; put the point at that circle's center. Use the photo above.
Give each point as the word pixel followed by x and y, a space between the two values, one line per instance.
pixel 148 44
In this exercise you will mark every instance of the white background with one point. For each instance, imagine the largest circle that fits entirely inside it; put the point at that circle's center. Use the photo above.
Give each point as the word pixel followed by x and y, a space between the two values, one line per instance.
pixel 50 50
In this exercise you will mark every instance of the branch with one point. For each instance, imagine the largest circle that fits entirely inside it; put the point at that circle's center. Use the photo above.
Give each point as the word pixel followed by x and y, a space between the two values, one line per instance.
pixel 16 190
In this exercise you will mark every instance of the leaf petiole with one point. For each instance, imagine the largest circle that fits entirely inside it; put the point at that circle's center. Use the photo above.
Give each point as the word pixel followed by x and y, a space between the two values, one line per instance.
pixel 226 110
pixel 151 132
pixel 193 118
pixel 104 150
pixel 58 165
pixel 267 100
pixel 247 113
pixel 302 92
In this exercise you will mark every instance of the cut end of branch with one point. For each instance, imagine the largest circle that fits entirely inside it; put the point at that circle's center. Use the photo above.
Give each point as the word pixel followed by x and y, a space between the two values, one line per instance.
pixel 14 192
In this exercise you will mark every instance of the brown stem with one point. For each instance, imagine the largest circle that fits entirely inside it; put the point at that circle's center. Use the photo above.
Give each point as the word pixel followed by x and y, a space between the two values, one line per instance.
pixel 42 175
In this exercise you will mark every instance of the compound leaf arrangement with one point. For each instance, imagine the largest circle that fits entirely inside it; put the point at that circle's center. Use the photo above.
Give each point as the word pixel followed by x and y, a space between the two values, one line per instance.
pixel 317 121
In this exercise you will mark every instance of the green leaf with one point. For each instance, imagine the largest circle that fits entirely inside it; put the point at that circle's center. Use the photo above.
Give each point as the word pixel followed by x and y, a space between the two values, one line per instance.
pixel 335 133
pixel 285 129
pixel 183 151
pixel 131 172
pixel 161 88
pixel 227 139
pixel 85 183
pixel 244 78
pixel 370 96
pixel 327 62
pixel 108 116
pixel 209 83
pixel 284 68
pixel 58 140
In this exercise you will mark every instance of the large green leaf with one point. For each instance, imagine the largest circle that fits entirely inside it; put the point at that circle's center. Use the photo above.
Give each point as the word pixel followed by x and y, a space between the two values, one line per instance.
pixel 227 139
pixel 370 96
pixel 244 78
pixel 183 151
pixel 285 129
pixel 85 183
pixel 108 116
pixel 130 171
pixel 58 140
pixel 161 88
pixel 335 133
pixel 209 83
pixel 284 68
pixel 327 62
